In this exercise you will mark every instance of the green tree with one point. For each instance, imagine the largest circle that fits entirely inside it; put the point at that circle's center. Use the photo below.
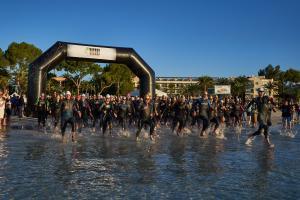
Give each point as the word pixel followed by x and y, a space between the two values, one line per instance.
pixel 238 86
pixel 205 82
pixel 157 86
pixel 270 72
pixel 286 83
pixel 19 56
pixel 292 76
pixel 52 85
pixel 117 79
pixel 77 71
pixel 4 75
pixel 102 81
pixel 292 93
pixel 192 90
pixel 280 84
pixel 88 87
pixel 223 81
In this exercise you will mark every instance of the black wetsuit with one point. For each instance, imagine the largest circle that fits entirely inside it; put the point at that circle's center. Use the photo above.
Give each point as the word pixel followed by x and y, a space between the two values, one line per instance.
pixel 236 112
pixel 163 110
pixel 130 113
pixel 95 105
pixel 68 110
pixel 107 116
pixel 188 116
pixel 180 110
pixel 55 110
pixel 227 112
pixel 137 104
pixel 42 109
pixel 264 115
pixel 146 118
pixel 123 111
pixel 214 114
pixel 202 108
pixel 286 111
pixel 156 112
pixel 86 112
pixel 221 111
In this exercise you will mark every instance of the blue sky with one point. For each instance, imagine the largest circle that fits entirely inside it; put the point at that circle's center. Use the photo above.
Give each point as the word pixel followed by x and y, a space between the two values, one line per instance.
pixel 176 38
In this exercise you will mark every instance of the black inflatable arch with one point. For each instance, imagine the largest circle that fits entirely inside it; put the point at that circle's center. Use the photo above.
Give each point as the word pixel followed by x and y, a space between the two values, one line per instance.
pixel 38 69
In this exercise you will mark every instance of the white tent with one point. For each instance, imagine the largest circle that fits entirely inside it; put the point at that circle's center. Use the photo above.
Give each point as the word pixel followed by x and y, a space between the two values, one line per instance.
pixel 159 93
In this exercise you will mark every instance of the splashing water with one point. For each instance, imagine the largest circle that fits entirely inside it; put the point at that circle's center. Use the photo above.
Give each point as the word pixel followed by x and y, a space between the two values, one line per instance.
pixel 37 164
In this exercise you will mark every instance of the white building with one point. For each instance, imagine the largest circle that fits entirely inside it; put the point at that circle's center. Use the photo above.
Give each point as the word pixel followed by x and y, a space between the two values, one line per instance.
pixel 258 82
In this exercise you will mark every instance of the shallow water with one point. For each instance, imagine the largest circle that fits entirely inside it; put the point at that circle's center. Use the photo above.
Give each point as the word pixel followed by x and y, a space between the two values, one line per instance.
pixel 38 165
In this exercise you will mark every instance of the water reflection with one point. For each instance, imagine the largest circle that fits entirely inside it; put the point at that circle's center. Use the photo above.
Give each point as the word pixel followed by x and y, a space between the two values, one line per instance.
pixel 3 156
pixel 35 150
pixel 146 169
pixel 3 149
pixel 117 167
pixel 177 152
pixel 207 156
pixel 63 168
pixel 265 159
pixel 145 164
pixel 177 149
pixel 262 180
pixel 106 151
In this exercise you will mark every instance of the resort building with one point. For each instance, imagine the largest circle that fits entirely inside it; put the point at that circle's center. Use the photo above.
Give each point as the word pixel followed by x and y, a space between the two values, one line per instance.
pixel 171 85
pixel 256 82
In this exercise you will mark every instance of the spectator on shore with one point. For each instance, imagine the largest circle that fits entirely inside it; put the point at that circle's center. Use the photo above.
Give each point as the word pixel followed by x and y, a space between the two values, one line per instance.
pixel 2 109
pixel 286 110
pixel 20 106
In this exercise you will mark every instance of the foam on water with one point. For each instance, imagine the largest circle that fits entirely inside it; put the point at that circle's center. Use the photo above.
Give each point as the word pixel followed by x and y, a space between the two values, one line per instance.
pixel 220 134
pixel 288 133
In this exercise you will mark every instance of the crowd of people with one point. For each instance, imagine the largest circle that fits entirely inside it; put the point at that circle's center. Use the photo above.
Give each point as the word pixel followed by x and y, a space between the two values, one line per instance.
pixel 13 104
pixel 178 113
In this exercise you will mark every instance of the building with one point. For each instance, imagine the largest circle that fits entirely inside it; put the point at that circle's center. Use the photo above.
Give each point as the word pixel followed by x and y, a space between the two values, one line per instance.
pixel 256 82
pixel 171 85
pixel 174 85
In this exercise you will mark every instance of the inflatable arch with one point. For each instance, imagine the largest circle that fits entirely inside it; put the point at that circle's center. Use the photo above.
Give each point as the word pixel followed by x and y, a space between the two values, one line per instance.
pixel 38 69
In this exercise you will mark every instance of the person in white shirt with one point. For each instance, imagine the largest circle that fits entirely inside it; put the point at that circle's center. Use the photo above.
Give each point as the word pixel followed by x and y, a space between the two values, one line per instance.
pixel 2 108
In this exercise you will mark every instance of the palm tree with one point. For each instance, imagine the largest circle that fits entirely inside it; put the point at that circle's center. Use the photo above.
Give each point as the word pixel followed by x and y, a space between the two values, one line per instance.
pixel 223 81
pixel 192 90
pixel 205 82
pixel 270 86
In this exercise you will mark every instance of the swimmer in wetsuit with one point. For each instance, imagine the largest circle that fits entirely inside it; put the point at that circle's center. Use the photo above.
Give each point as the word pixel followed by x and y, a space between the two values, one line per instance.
pixel 264 117
pixel 146 110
